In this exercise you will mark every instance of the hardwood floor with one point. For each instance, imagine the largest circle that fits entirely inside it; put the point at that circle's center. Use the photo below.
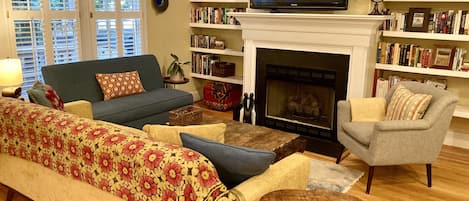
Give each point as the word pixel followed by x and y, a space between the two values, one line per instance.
pixel 405 182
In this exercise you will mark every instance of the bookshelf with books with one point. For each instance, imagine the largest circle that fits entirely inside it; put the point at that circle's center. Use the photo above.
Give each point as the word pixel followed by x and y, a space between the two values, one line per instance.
pixel 216 37
pixel 435 53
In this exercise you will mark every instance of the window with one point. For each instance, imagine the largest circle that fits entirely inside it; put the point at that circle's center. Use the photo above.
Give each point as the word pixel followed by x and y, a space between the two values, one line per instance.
pixel 118 30
pixel 45 32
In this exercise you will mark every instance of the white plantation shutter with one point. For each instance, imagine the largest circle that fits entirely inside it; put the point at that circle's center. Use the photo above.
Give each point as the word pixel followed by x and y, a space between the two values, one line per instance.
pixel 65 41
pixel 30 49
pixel 26 4
pixel 131 37
pixel 106 38
pixel 118 28
pixel 45 32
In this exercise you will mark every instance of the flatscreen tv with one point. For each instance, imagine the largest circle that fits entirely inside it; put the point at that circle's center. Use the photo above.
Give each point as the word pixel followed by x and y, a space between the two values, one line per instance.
pixel 303 4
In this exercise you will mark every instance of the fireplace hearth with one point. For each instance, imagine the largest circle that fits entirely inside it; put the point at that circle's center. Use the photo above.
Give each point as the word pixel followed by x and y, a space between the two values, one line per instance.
pixel 297 91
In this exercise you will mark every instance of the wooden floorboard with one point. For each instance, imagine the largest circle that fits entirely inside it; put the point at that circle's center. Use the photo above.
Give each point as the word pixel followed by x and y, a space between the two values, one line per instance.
pixel 393 183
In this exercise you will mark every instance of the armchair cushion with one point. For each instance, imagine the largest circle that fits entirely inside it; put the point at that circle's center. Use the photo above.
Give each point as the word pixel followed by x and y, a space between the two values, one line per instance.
pixel 368 109
pixel 406 105
pixel 360 131
pixel 45 95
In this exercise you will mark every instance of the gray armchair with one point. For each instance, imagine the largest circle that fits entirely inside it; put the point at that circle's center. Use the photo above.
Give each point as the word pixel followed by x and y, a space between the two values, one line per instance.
pixel 398 142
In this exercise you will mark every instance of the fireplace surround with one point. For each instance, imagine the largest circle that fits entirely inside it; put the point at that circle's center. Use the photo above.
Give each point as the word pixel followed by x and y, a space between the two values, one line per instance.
pixel 352 36
pixel 296 91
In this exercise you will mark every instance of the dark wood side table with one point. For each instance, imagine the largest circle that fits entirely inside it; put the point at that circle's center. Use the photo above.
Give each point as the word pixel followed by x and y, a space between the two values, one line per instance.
pixel 307 195
pixel 167 81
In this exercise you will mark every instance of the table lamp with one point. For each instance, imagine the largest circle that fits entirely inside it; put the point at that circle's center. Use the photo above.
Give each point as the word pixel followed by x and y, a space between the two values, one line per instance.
pixel 11 77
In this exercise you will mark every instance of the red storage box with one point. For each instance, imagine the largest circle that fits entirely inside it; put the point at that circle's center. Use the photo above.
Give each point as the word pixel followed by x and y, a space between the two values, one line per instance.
pixel 221 96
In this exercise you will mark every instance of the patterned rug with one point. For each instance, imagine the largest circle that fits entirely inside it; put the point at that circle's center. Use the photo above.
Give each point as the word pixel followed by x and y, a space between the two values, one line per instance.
pixel 333 177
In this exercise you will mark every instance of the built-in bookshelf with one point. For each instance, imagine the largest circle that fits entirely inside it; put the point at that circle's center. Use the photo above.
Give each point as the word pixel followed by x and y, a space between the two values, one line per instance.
pixel 215 26
pixel 228 52
pixel 455 39
pixel 231 79
pixel 208 20
pixel 426 36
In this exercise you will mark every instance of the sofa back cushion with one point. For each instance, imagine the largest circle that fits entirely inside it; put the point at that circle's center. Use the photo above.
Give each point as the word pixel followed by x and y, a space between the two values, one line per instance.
pixel 77 81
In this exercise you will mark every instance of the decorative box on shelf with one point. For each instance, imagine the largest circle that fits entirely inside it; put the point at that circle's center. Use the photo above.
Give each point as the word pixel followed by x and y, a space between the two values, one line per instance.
pixel 188 115
pixel 223 69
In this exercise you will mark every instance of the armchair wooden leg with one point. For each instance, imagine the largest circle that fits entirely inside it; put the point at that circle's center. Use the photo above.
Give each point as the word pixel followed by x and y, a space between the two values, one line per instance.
pixel 10 194
pixel 339 157
pixel 371 171
pixel 429 175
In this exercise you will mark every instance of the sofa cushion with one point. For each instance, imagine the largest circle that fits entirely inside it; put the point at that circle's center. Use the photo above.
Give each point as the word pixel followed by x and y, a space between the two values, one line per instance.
pixel 360 131
pixel 137 106
pixel 170 134
pixel 115 85
pixel 406 105
pixel 45 95
pixel 234 164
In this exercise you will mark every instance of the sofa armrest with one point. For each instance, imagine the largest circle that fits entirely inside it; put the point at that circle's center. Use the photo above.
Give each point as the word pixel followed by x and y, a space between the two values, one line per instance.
pixel 291 172
pixel 81 108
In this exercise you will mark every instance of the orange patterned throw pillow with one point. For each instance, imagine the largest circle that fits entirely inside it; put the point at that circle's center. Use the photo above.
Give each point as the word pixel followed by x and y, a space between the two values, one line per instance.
pixel 115 85
pixel 405 105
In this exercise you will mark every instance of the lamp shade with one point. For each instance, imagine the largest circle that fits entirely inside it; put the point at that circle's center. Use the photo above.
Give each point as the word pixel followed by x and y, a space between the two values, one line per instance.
pixel 10 73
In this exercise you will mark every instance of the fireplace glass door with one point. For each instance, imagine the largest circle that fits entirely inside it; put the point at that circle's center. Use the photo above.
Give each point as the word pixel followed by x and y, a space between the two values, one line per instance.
pixel 301 103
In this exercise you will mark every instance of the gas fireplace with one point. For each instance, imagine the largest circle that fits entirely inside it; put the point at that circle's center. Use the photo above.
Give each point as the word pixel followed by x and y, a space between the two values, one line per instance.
pixel 297 92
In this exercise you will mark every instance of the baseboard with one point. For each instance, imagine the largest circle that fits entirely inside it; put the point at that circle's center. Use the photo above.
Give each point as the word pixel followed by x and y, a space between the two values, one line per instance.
pixel 457 139
pixel 195 95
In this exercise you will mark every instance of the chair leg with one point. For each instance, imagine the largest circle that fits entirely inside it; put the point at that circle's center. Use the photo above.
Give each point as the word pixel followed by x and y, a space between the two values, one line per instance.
pixel 339 156
pixel 371 171
pixel 429 175
pixel 10 194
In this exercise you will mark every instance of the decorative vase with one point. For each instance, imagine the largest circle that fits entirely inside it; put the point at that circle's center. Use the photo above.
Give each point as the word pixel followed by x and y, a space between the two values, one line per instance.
pixel 177 77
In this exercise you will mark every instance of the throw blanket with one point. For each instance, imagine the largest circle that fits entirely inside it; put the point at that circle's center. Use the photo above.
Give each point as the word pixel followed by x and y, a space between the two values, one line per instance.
pixel 124 164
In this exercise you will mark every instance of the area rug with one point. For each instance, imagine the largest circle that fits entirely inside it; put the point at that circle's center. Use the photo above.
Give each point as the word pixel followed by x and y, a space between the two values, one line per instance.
pixel 330 176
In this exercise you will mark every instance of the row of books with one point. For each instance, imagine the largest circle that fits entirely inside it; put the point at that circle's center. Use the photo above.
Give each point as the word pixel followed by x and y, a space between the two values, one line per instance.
pixel 203 63
pixel 384 84
pixel 415 56
pixel 445 22
pixel 206 41
pixel 211 15
pixel 404 55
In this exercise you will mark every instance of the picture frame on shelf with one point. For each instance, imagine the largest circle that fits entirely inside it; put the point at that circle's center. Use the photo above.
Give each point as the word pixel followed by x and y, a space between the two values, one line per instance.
pixel 418 19
pixel 443 57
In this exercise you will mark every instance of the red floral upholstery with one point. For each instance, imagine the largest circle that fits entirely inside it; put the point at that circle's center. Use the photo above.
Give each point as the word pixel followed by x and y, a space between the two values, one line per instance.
pixel 126 165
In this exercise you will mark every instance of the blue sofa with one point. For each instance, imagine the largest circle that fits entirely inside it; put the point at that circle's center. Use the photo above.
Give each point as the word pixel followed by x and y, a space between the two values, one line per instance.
pixel 77 81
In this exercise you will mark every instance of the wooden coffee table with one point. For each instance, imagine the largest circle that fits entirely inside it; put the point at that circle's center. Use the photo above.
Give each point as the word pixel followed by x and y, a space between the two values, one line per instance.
pixel 307 195
pixel 259 137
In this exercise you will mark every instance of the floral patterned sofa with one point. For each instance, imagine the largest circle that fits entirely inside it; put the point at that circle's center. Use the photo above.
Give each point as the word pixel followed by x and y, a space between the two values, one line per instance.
pixel 48 154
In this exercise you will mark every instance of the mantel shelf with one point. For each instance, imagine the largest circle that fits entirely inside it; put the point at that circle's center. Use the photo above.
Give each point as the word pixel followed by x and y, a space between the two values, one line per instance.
pixel 229 52
pixel 232 79
pixel 425 71
pixel 215 26
pixel 426 36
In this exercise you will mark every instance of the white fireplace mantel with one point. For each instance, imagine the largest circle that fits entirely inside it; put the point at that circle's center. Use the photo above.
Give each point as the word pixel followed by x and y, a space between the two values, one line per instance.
pixel 354 35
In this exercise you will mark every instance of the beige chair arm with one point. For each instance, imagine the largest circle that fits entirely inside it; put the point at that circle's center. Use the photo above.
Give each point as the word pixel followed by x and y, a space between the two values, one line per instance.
pixel 291 172
pixel 81 108
pixel 402 125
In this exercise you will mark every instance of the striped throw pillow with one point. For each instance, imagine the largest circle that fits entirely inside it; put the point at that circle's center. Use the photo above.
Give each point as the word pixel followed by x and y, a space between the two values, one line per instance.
pixel 405 105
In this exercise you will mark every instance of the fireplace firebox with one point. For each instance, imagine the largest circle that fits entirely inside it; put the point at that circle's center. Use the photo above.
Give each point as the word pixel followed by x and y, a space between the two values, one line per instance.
pixel 297 92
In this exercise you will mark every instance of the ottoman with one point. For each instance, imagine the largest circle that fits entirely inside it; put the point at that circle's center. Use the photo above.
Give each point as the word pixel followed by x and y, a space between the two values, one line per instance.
pixel 221 96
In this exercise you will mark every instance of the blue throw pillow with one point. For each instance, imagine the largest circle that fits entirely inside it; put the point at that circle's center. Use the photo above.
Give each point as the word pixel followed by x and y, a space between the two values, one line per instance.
pixel 234 164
